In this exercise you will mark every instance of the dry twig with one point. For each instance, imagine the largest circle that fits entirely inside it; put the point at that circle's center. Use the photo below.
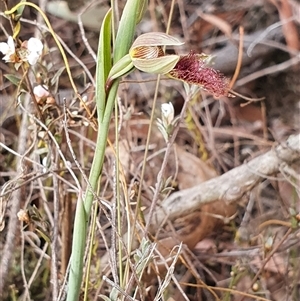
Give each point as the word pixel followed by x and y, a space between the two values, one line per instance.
pixel 229 187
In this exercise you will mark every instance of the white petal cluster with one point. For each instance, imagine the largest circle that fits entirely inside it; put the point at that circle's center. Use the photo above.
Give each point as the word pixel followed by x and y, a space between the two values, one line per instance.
pixel 30 51
pixel 8 49
pixel 35 49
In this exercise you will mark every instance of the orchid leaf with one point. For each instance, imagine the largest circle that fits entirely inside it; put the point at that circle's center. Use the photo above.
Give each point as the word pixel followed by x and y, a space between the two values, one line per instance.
pixel 103 63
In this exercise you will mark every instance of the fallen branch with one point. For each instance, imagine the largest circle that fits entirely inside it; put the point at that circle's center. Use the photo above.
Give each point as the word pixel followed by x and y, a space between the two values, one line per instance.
pixel 229 187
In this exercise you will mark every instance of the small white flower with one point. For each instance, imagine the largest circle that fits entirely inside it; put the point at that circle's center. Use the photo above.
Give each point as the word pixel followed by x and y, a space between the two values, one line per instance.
pixel 167 113
pixel 41 91
pixel 167 122
pixel 8 49
pixel 35 48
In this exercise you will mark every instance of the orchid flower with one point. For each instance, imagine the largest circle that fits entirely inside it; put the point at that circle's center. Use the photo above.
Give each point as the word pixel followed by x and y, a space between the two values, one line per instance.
pixel 147 54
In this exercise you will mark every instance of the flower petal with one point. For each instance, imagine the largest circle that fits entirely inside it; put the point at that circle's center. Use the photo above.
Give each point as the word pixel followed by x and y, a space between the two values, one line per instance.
pixel 41 91
pixel 11 44
pixel 146 52
pixel 32 58
pixel 155 39
pixel 8 49
pixel 35 45
pixel 4 48
pixel 192 69
pixel 160 65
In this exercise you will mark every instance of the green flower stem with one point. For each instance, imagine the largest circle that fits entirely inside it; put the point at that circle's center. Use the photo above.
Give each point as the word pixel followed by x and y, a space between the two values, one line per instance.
pixel 105 105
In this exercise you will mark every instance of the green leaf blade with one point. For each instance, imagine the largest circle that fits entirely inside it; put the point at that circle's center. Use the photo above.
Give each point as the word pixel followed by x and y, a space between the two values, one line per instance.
pixel 78 246
pixel 103 63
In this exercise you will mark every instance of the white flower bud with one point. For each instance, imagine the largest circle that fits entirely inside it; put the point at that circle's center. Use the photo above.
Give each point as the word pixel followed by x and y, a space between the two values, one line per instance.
pixel 41 91
pixel 167 113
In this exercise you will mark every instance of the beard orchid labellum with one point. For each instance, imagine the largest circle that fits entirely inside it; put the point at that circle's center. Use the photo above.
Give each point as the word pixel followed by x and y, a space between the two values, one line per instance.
pixel 192 69
pixel 148 55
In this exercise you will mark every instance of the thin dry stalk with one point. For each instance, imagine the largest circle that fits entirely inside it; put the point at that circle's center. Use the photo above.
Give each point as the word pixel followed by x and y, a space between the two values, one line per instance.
pixel 16 198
